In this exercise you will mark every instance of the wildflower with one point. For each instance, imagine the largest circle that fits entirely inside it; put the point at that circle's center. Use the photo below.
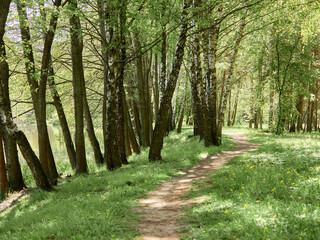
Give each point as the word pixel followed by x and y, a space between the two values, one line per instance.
pixel 258 201
pixel 20 229
pixel 226 211
pixel 265 228
pixel 203 231
pixel 232 213
pixel 210 211
pixel 274 216
pixel 245 206
pixel 112 235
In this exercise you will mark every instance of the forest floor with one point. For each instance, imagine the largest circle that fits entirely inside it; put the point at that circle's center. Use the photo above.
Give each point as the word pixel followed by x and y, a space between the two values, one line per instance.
pixel 162 208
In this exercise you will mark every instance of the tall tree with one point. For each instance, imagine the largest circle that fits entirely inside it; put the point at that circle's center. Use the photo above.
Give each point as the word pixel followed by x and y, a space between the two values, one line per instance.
pixel 230 72
pixel 78 86
pixel 162 118
pixel 38 90
pixel 15 179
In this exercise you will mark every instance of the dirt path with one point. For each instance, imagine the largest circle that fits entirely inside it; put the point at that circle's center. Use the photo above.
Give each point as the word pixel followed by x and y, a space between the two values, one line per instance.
pixel 162 208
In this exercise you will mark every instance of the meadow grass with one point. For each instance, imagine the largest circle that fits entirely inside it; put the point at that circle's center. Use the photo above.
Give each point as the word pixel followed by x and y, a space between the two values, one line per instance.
pixel 98 205
pixel 269 193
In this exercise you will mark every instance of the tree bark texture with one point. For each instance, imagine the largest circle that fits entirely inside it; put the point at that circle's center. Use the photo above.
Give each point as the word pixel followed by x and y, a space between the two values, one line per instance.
pixel 13 168
pixel 162 119
pixel 122 143
pixel 78 88
pixel 62 119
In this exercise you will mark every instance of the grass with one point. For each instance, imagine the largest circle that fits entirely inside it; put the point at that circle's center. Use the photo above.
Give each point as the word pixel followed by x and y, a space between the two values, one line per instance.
pixel 269 193
pixel 98 205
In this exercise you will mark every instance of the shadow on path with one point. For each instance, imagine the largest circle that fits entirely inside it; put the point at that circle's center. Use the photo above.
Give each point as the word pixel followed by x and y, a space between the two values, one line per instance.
pixel 162 208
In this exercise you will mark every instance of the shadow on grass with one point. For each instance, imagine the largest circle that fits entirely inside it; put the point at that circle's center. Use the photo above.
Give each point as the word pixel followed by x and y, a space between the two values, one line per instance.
pixel 269 193
pixel 98 206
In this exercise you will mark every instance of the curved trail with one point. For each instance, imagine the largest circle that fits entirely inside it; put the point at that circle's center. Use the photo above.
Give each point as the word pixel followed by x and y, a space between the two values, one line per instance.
pixel 162 208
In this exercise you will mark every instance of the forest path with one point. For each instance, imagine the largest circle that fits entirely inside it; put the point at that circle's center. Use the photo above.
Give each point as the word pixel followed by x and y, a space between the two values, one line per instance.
pixel 162 208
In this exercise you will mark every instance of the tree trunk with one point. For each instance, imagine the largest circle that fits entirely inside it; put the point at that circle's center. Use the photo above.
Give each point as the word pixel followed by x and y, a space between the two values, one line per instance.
pixel 16 182
pixel 261 118
pixel 78 88
pixel 45 151
pixel 15 178
pixel 156 95
pixel 3 173
pixel 32 161
pixel 230 72
pixel 174 109
pixel 162 119
pixel 131 135
pixel 38 91
pixel 271 109
pixel 62 118
pixel 183 108
pixel 235 108
pixel 143 97
pixel 299 106
pixel 122 142
pixel 196 102
pixel 105 60
pixel 90 128
pixel 229 110
pixel 212 85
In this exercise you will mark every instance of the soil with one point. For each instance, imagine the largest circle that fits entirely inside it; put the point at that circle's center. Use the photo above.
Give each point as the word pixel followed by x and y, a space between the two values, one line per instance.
pixel 162 208
pixel 11 200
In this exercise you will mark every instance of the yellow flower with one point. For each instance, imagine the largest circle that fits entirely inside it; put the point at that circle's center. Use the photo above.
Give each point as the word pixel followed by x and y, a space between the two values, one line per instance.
pixel 88 194
pixel 274 216
pixel 20 229
pixel 209 211
pixel 258 201
pixel 112 235
pixel 245 206
pixel 233 213
pixel 265 228
pixel 226 211
pixel 204 231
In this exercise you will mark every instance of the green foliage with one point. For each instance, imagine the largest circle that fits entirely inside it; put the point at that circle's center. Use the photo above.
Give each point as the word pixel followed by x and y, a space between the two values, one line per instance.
pixel 269 193
pixel 98 206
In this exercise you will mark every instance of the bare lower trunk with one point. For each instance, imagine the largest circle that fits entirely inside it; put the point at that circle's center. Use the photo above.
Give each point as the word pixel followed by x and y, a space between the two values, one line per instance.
pixel 78 89
pixel 63 120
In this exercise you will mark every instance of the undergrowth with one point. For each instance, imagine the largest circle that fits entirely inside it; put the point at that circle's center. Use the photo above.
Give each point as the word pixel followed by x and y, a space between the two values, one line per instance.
pixel 269 193
pixel 98 205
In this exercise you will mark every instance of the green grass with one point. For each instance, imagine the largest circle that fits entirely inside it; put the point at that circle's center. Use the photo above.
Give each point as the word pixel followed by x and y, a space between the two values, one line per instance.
pixel 269 193
pixel 98 206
